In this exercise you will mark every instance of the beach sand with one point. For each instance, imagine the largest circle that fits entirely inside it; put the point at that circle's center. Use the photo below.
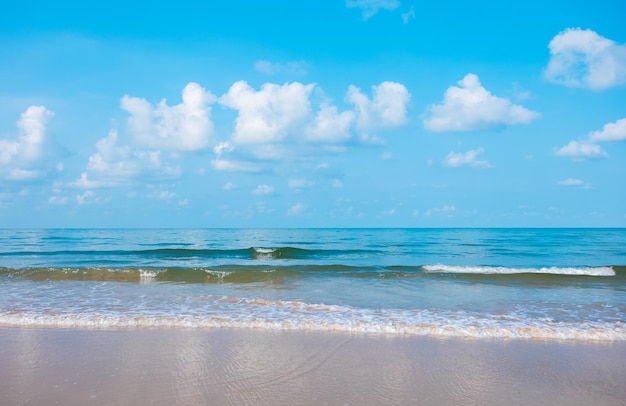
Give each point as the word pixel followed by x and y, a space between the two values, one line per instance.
pixel 252 367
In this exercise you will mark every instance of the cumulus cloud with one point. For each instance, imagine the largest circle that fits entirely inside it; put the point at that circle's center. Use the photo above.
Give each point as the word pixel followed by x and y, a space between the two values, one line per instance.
pixel 114 164
pixel 330 125
pixel 370 7
pixel 183 127
pixel 610 132
pixel 19 157
pixel 471 107
pixel 454 159
pixel 269 114
pixel 583 58
pixel 588 147
pixel 273 68
pixel 581 149
pixel 275 121
pixel 386 109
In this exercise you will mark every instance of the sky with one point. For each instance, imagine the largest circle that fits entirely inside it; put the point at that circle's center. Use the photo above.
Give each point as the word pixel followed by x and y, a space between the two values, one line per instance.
pixel 334 113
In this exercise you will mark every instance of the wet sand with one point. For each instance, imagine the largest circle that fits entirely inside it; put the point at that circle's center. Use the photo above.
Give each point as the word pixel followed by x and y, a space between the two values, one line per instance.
pixel 252 367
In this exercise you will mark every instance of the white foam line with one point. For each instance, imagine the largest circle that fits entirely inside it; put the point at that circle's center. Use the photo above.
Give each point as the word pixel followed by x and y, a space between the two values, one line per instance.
pixel 590 333
pixel 493 270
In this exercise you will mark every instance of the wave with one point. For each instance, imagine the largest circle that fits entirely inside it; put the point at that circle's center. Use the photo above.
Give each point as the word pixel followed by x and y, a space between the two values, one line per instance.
pixel 499 270
pixel 269 273
pixel 285 315
pixel 238 253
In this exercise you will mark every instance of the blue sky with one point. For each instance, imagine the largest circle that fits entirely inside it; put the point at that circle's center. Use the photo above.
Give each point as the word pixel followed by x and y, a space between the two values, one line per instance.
pixel 343 113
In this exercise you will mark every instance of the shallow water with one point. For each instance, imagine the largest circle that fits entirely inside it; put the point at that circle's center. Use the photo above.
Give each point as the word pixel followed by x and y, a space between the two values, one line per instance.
pixel 504 283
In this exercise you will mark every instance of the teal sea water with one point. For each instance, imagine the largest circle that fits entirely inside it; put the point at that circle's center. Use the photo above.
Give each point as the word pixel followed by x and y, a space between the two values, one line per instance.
pixel 565 284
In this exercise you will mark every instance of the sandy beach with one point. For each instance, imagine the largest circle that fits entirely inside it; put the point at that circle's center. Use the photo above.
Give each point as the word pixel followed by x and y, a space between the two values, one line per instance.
pixel 252 367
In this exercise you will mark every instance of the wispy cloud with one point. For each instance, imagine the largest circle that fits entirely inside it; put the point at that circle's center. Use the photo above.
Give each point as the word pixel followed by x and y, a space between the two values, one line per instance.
pixel 454 159
pixel 370 7
pixel 409 15
pixel 573 182
pixel 263 190
pixel 296 209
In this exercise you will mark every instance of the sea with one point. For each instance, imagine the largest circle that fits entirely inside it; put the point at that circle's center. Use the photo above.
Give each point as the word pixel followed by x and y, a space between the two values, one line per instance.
pixel 546 284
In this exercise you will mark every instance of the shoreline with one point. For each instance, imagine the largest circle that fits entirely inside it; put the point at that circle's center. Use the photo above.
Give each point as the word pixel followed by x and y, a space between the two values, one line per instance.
pixel 248 366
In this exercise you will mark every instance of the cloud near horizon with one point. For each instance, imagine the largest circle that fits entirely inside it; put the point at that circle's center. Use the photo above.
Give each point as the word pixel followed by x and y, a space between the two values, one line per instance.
pixel 471 107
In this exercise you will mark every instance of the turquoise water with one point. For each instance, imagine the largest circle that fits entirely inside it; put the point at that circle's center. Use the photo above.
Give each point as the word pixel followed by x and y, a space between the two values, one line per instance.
pixel 567 284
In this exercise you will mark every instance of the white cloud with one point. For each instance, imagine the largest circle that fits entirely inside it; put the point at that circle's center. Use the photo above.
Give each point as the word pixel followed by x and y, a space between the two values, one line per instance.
pixel 267 115
pixel 229 186
pixel 408 15
pixel 330 125
pixel 610 132
pixel 263 190
pixel 588 147
pixel 115 164
pixel 471 107
pixel 17 157
pixel 582 58
pixel 581 149
pixel 370 7
pixel 571 182
pixel 223 147
pixel 272 68
pixel 229 165
pixel 278 121
pixel 574 182
pixel 447 210
pixel 184 127
pixel 455 160
pixel 386 109
pixel 296 209
pixel 22 174
pixel 85 183
pixel 387 156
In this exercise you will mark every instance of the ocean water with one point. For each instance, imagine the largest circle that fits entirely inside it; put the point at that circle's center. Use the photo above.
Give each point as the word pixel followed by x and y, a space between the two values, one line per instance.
pixel 563 284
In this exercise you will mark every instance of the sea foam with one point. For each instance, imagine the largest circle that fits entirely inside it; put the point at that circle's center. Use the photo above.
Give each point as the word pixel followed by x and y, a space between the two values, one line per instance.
pixel 494 270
